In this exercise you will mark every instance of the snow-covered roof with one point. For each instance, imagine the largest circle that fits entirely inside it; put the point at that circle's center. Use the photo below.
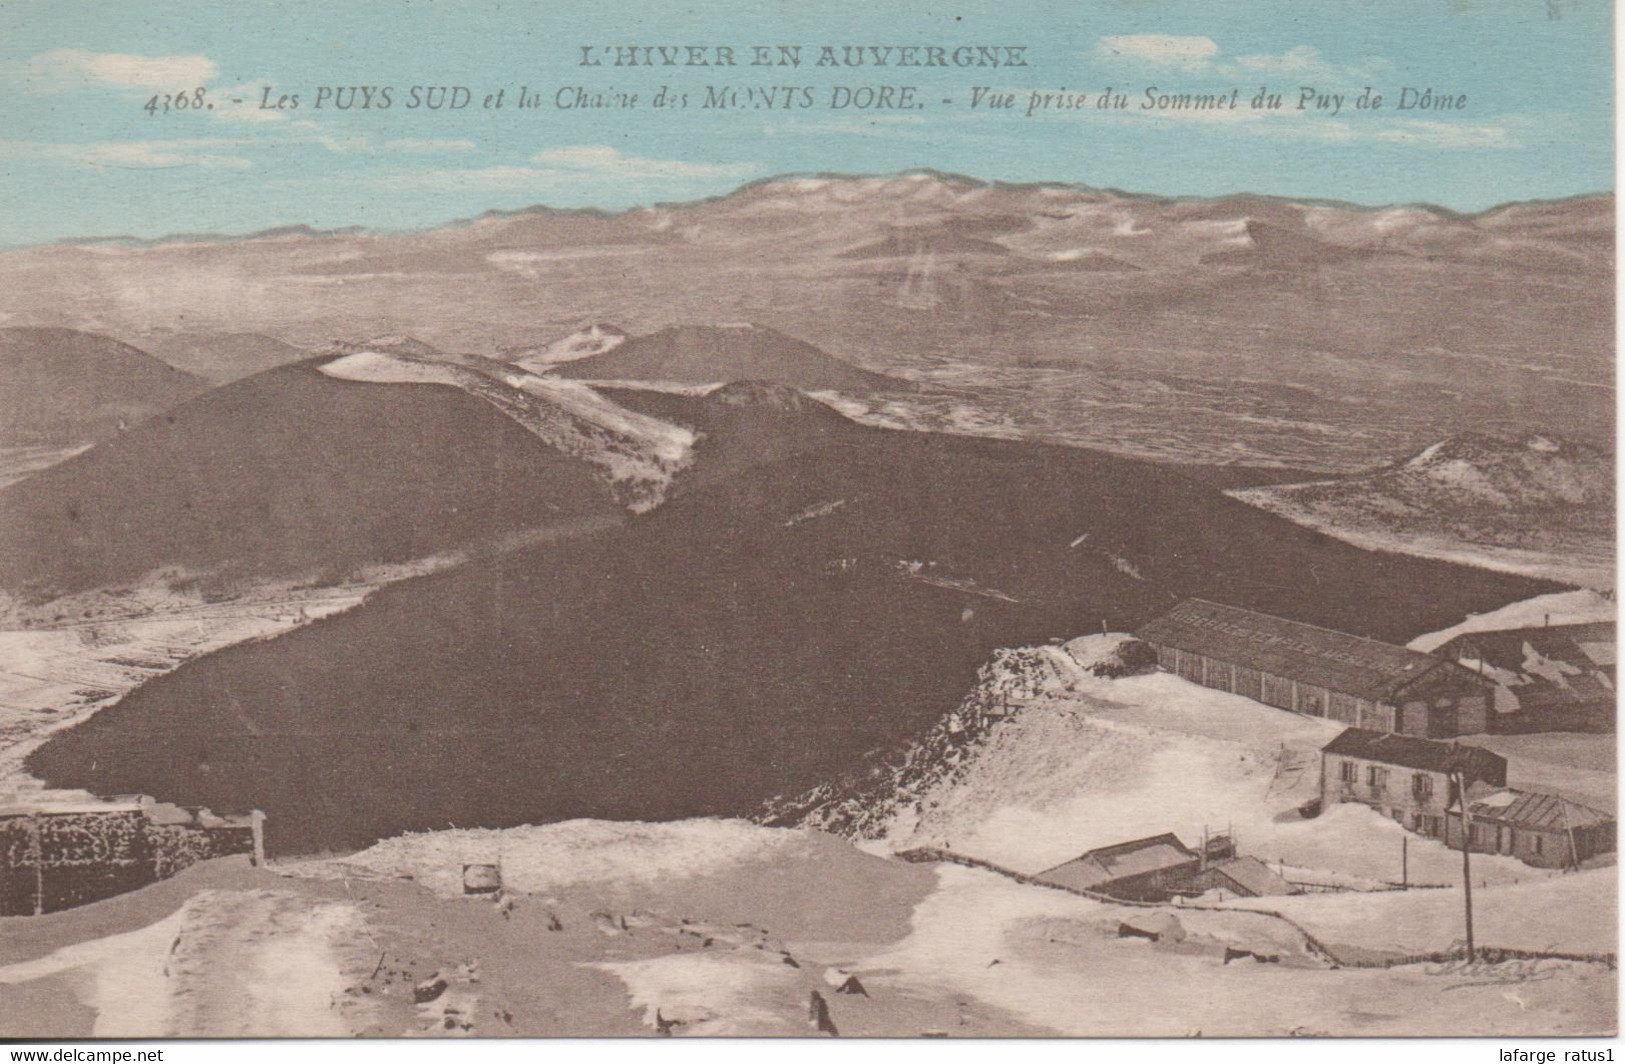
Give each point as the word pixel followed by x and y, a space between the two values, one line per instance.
pixel 1408 751
pixel 1536 810
pixel 1254 876
pixel 1338 661
pixel 1124 859
pixel 1548 667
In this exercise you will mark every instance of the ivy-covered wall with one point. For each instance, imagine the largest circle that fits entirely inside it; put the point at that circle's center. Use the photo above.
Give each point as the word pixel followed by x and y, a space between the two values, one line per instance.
pixel 53 861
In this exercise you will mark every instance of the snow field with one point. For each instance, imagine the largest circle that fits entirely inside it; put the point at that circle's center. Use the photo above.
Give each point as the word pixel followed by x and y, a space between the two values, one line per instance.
pixel 571 853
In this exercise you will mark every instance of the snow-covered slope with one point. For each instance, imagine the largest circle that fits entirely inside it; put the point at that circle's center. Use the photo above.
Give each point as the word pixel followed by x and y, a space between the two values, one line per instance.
pixel 636 453
pixel 1046 760
pixel 1057 961
pixel 550 857
pixel 1541 505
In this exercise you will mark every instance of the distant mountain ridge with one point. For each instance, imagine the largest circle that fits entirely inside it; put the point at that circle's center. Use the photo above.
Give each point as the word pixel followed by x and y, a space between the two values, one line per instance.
pixel 1246 328
pixel 818 179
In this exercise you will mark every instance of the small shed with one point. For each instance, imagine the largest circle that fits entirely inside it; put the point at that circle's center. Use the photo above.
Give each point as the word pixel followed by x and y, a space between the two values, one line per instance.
pixel 1162 867
pixel 1544 830
pixel 1142 869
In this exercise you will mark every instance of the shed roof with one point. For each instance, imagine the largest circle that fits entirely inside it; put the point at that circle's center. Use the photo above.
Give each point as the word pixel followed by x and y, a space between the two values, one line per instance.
pixel 1254 876
pixel 1124 859
pixel 1408 751
pixel 1338 661
pixel 1536 810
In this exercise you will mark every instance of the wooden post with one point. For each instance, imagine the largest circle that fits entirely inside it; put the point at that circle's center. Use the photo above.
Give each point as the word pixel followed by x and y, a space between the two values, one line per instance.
pixel 257 820
pixel 1405 862
pixel 39 865
pixel 1574 848
pixel 1466 862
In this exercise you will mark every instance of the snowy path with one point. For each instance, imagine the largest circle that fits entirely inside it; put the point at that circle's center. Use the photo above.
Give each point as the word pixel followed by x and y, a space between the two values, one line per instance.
pixel 226 964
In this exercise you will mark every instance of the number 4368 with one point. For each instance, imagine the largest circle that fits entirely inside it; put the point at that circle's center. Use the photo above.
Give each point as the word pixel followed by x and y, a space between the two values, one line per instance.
pixel 181 101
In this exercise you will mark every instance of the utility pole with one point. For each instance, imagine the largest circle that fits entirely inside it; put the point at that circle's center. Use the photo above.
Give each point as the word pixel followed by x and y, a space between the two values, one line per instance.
pixel 1460 779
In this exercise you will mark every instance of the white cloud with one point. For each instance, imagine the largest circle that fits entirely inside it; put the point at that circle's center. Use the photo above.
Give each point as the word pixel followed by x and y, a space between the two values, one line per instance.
pixel 600 159
pixel 241 103
pixel 489 177
pixel 1302 64
pixel 344 145
pixel 207 153
pixel 1308 65
pixel 71 68
pixel 1447 134
pixel 417 146
pixel 1160 49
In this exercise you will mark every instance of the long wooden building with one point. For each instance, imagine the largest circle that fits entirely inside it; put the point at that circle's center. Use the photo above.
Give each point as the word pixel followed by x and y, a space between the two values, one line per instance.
pixel 1319 672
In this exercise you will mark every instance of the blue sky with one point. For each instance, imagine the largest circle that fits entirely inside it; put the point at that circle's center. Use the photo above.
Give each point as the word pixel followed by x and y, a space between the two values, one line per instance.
pixel 79 156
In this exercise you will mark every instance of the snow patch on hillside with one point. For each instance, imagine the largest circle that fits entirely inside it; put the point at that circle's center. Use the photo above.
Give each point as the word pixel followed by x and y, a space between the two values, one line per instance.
pixel 1563 607
pixel 711 994
pixel 595 339
pixel 672 444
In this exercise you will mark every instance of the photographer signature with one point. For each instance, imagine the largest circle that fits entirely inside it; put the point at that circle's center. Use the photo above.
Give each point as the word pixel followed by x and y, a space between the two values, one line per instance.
pixel 1486 973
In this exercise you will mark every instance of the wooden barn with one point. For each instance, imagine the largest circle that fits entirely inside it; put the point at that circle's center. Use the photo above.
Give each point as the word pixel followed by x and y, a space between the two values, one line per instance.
pixel 1319 672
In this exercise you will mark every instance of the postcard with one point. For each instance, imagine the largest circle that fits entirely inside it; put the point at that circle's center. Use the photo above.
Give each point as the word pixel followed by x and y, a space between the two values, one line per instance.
pixel 1000 520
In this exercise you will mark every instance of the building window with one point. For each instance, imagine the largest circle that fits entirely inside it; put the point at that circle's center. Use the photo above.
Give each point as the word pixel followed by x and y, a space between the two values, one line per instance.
pixel 1376 777
pixel 1422 786
pixel 1348 771
pixel 1537 845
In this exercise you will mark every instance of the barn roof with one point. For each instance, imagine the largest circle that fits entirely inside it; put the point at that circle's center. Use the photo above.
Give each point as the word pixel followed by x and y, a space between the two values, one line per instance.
pixel 1545 667
pixel 1408 751
pixel 1533 809
pixel 1338 661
